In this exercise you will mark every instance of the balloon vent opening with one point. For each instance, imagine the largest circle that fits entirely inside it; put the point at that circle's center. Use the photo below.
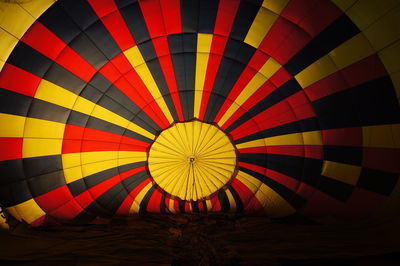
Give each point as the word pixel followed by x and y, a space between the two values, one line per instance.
pixel 192 160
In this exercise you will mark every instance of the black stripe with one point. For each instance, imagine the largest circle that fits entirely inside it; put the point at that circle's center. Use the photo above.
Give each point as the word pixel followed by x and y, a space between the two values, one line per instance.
pixel 378 181
pixel 30 60
pixel 14 187
pixel 343 154
pixel 287 89
pixel 190 15
pixel 146 199
pixel 335 34
pixel 65 79
pixel 134 19
pixel 238 200
pixel 42 184
pixel 42 165
pixel 195 206
pixel 183 52
pixel 163 207
pixel 291 197
pixel 336 189
pixel 207 16
pixel 100 82
pixel 81 185
pixel 245 16
pixel 14 103
pixel 181 204
pixel 224 201
pixel 48 111
pixel 236 56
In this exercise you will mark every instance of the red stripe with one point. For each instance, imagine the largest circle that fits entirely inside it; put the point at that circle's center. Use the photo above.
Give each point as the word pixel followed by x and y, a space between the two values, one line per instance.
pixel 280 77
pixel 383 159
pixel 10 148
pixel 171 14
pixel 296 107
pixel 307 151
pixel 246 195
pixel 47 43
pixel 343 137
pixel 54 199
pixel 126 205
pixel 152 14
pixel 154 202
pixel 223 24
pixel 367 69
pixel 109 14
pixel 18 80
pixel 256 62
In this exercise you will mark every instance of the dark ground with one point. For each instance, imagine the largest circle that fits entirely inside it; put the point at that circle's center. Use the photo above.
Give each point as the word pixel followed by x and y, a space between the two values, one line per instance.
pixel 204 240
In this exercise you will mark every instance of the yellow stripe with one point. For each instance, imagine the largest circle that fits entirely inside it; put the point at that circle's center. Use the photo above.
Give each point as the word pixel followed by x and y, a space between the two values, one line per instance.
pixel 136 202
pixel 344 4
pixel 38 128
pixel 302 138
pixel 382 136
pixel 11 126
pixel 342 56
pixel 267 70
pixel 274 204
pixel 7 44
pixel 137 61
pixel 80 165
pixel 27 211
pixel 203 51
pixel 36 7
pixel 263 22
pixel 231 199
pixel 52 93
pixel 171 206
pixel 36 147
pixel 275 5
pixel 14 19
pixel 390 57
pixel 345 173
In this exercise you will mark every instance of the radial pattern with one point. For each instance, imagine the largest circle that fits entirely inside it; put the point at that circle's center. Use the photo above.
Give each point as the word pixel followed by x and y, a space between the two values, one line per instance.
pixel 96 95
pixel 192 160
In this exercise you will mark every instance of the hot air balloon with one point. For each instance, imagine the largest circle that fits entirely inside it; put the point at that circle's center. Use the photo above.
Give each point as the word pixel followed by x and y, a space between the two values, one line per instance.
pixel 276 107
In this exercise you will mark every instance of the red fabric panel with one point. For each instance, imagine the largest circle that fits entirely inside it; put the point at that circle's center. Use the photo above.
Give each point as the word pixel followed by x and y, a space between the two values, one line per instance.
pixel 153 18
pixel 126 205
pixel 155 201
pixel 307 151
pixel 18 80
pixel 343 136
pixel 245 195
pixel 67 212
pixel 171 14
pixel 384 159
pixel 10 148
pixel 54 199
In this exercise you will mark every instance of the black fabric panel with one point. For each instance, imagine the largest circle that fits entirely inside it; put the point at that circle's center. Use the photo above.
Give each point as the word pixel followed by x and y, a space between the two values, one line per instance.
pixel 44 183
pixel 11 171
pixel 77 187
pixel 88 50
pixel 115 107
pixel 65 79
pixel 244 18
pixel 181 205
pixel 146 199
pixel 67 30
pixel 335 34
pixel 112 199
pixel 207 16
pixel 78 119
pixel 134 20
pixel 163 207
pixel 309 124
pixel 14 193
pixel 14 103
pixel 42 165
pixel 287 89
pixel 195 206
pixel 238 200
pixel 103 40
pixel 91 93
pixel 84 218
pixel 80 11
pixel 30 60
pixel 378 181
pixel 343 154
pixel 190 15
pixel 100 82
pixel 131 182
pixel 336 189
pixel 48 111
pixel 291 197
pixel 224 201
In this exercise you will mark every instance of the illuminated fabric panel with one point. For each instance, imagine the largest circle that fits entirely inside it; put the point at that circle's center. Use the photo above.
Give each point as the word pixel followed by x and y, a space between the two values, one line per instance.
pixel 294 105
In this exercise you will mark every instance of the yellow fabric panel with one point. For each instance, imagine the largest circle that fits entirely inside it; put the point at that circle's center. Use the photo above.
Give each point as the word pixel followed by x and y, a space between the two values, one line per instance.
pixel 14 19
pixel 171 206
pixel 71 159
pixel 35 147
pixel 137 61
pixel 203 50
pixel 351 51
pixel 275 5
pixel 252 183
pixel 72 174
pixel 28 211
pixel 3 223
pixel 12 126
pixel 38 128
pixel 52 93
pixel 382 136
pixel 344 4
pixel 302 138
pixel 385 30
pixel 342 56
pixel 365 12
pixel 267 70
pixel 231 199
pixel 36 7
pixel 260 27
pixel 342 172
pixel 209 205
pixel 274 204
pixel 390 57
pixel 2 63
pixel 136 202
pixel 7 44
